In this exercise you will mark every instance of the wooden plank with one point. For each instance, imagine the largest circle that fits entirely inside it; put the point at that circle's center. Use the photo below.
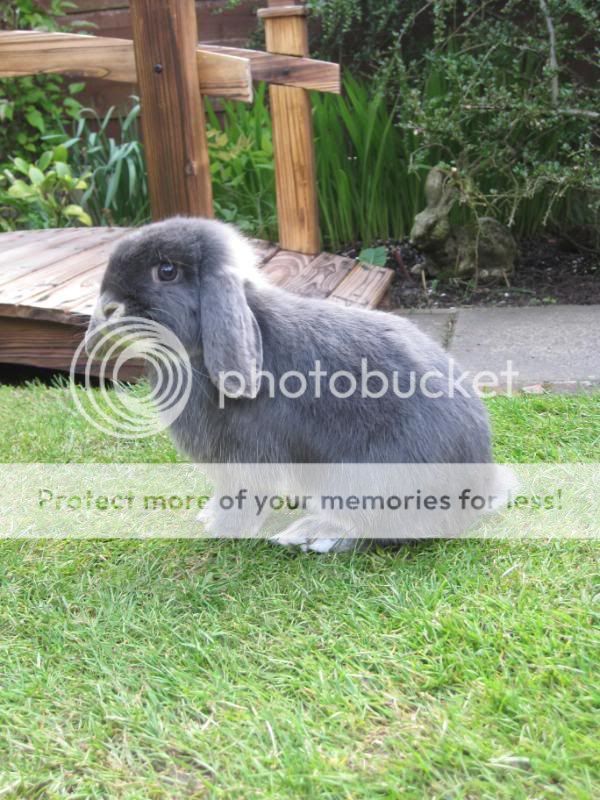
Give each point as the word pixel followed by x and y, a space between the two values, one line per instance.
pixel 31 257
pixel 293 143
pixel 285 267
pixel 72 301
pixel 173 119
pixel 43 281
pixel 14 239
pixel 36 52
pixel 364 286
pixel 39 344
pixel 225 75
pixel 321 276
pixel 49 345
pixel 303 73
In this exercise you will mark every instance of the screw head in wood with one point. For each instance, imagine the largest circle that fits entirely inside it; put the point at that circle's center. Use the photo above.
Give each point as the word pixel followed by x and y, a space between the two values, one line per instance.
pixel 158 68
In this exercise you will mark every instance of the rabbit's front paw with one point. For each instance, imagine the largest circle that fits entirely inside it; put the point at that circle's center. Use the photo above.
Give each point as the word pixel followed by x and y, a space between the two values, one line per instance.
pixel 230 524
pixel 313 535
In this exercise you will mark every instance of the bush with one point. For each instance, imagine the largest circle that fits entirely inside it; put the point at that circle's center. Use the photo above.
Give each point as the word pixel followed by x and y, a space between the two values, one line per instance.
pixel 505 97
pixel 117 192
pixel 33 107
pixel 44 194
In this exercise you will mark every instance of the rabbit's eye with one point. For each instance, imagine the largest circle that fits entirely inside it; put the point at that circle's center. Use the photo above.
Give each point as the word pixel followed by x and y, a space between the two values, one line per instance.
pixel 166 272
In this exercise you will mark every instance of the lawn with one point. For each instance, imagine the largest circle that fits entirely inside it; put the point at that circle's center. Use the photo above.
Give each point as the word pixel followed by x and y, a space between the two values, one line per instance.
pixel 178 669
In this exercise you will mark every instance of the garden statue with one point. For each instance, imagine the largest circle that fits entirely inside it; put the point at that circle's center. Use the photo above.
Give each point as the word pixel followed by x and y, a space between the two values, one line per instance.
pixel 486 250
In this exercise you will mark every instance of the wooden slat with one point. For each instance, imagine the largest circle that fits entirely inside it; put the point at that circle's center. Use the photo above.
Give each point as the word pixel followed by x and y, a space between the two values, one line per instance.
pixel 222 71
pixel 304 73
pixel 285 267
pixel 13 239
pixel 39 344
pixel 35 52
pixel 74 299
pixel 225 75
pixel 321 276
pixel 33 256
pixel 363 286
pixel 48 345
pixel 45 280
pixel 173 119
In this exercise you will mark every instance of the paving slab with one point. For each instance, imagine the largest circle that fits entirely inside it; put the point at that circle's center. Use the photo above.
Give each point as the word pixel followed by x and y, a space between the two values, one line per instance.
pixel 548 345
pixel 437 322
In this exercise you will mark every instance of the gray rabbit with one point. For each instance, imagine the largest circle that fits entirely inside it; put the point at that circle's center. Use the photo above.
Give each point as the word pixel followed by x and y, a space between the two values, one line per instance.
pixel 198 278
pixel 486 249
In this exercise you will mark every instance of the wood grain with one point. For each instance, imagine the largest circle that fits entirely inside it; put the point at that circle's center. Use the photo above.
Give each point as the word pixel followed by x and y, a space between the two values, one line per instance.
pixel 285 267
pixel 49 345
pixel 28 258
pixel 41 283
pixel 286 10
pixel 293 143
pixel 220 74
pixel 363 286
pixel 320 276
pixel 173 119
pixel 304 73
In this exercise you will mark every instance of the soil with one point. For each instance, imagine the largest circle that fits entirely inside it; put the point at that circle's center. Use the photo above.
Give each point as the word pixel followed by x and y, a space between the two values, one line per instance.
pixel 548 271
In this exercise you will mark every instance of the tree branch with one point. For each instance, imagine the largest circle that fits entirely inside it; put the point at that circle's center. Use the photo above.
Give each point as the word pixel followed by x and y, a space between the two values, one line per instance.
pixel 553 58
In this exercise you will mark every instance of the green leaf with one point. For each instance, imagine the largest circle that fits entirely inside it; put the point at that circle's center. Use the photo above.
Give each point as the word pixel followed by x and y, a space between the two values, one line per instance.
pixel 61 154
pixel 376 256
pixel 78 213
pixel 36 176
pixel 45 160
pixel 21 165
pixel 35 119
pixel 62 170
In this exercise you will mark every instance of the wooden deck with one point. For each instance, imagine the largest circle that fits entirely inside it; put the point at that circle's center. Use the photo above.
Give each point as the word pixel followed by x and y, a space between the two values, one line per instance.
pixel 49 282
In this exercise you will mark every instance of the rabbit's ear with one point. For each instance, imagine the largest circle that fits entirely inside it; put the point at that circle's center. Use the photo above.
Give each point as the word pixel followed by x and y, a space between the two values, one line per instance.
pixel 231 338
pixel 439 193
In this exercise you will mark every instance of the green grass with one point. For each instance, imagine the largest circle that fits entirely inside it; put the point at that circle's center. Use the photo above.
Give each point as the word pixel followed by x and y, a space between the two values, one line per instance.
pixel 180 669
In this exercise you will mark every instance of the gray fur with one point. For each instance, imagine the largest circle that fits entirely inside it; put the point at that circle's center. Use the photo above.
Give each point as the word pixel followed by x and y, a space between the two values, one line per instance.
pixel 226 317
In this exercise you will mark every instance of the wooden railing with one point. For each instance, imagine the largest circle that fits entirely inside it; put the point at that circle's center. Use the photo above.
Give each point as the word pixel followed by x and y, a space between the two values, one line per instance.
pixel 173 72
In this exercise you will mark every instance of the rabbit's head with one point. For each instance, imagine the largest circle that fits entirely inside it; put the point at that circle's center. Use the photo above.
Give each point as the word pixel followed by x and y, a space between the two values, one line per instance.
pixel 432 225
pixel 189 275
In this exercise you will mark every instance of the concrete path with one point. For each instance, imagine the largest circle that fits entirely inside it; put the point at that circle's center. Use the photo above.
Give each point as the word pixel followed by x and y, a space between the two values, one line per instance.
pixel 551 347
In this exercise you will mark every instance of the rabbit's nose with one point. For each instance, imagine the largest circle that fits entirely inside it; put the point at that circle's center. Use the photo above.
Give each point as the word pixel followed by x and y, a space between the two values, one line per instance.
pixel 111 309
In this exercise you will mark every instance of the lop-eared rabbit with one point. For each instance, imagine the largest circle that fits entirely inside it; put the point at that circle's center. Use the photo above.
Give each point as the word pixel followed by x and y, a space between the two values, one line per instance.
pixel 199 279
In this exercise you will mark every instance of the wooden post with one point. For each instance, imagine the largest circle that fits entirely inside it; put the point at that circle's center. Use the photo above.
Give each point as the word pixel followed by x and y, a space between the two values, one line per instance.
pixel 286 33
pixel 165 37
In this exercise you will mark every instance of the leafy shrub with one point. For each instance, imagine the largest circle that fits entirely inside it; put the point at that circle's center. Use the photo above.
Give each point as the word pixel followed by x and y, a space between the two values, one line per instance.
pixel 44 194
pixel 242 168
pixel 32 107
pixel 117 192
pixel 504 95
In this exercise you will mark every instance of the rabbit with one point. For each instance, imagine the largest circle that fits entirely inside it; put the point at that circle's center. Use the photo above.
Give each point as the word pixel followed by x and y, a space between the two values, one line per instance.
pixel 487 250
pixel 198 278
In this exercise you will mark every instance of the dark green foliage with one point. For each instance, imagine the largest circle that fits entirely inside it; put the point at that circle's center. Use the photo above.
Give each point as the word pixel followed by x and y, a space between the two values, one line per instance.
pixel 486 90
pixel 32 107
